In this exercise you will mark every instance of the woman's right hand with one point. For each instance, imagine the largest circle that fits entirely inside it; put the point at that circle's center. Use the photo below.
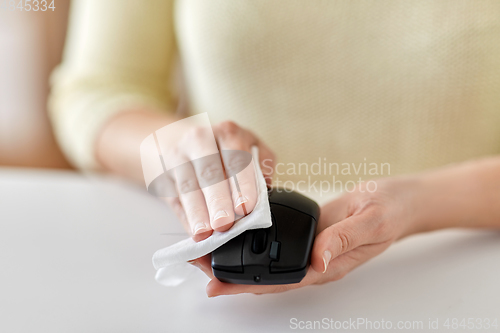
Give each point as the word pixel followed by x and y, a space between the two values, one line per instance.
pixel 202 208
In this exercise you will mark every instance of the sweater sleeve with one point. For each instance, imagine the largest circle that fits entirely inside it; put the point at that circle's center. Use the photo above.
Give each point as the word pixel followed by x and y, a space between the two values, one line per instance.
pixel 118 57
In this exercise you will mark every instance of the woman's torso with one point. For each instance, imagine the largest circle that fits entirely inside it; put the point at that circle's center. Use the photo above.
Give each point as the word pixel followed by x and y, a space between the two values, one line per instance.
pixel 412 84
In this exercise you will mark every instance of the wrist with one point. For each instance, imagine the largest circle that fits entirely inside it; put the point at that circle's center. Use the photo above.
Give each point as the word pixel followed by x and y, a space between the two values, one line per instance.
pixel 429 204
pixel 410 193
pixel 402 195
pixel 449 197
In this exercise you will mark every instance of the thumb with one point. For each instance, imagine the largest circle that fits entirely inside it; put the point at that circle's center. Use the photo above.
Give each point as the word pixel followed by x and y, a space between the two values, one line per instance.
pixel 335 240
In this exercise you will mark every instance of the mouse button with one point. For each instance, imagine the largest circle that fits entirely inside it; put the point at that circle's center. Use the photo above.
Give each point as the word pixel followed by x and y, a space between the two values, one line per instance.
pixel 295 232
pixel 228 256
pixel 259 242
pixel 297 201
pixel 249 257
pixel 274 252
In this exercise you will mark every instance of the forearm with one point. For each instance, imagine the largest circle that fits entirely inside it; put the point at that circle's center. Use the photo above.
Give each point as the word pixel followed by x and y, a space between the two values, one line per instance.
pixel 104 73
pixel 118 145
pixel 463 195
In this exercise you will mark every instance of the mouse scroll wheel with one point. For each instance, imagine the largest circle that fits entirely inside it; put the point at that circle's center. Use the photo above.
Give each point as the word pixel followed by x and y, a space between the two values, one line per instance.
pixel 259 243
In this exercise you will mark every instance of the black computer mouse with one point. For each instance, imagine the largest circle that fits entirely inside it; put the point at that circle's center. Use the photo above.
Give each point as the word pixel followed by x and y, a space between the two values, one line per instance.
pixel 279 254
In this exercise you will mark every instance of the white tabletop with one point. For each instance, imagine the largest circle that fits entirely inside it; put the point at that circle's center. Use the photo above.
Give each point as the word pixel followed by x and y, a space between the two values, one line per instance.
pixel 76 257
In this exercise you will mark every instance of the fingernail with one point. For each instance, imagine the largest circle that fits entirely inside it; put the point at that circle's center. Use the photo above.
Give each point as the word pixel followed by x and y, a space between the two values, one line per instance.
pixel 220 214
pixel 211 295
pixel 200 226
pixel 327 255
pixel 241 200
pixel 194 263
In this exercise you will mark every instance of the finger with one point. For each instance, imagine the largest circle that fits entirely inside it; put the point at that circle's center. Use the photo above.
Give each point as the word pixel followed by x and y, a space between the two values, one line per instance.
pixel 347 262
pixel 338 239
pixel 201 149
pixel 230 136
pixel 204 263
pixel 215 188
pixel 218 288
pixel 333 212
pixel 175 204
pixel 244 190
pixel 193 202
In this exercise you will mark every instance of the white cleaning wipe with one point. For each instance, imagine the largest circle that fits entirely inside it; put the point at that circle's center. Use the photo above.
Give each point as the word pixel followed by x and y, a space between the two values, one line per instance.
pixel 171 262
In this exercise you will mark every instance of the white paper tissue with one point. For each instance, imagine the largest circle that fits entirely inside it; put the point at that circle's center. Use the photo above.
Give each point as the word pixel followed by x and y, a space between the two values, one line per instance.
pixel 172 262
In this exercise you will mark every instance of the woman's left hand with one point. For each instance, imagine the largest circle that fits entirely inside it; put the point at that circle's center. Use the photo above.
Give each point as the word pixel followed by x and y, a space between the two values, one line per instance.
pixel 351 230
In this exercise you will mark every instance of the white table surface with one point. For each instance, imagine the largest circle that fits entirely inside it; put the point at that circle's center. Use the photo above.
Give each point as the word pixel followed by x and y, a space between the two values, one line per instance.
pixel 75 256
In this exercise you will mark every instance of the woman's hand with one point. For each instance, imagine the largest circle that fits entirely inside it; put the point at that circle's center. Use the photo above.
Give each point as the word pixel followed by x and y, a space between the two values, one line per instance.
pixel 351 230
pixel 206 200
pixel 362 224
pixel 195 184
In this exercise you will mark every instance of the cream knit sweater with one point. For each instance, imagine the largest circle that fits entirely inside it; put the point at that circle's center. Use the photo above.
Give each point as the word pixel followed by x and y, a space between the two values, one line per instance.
pixel 406 84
